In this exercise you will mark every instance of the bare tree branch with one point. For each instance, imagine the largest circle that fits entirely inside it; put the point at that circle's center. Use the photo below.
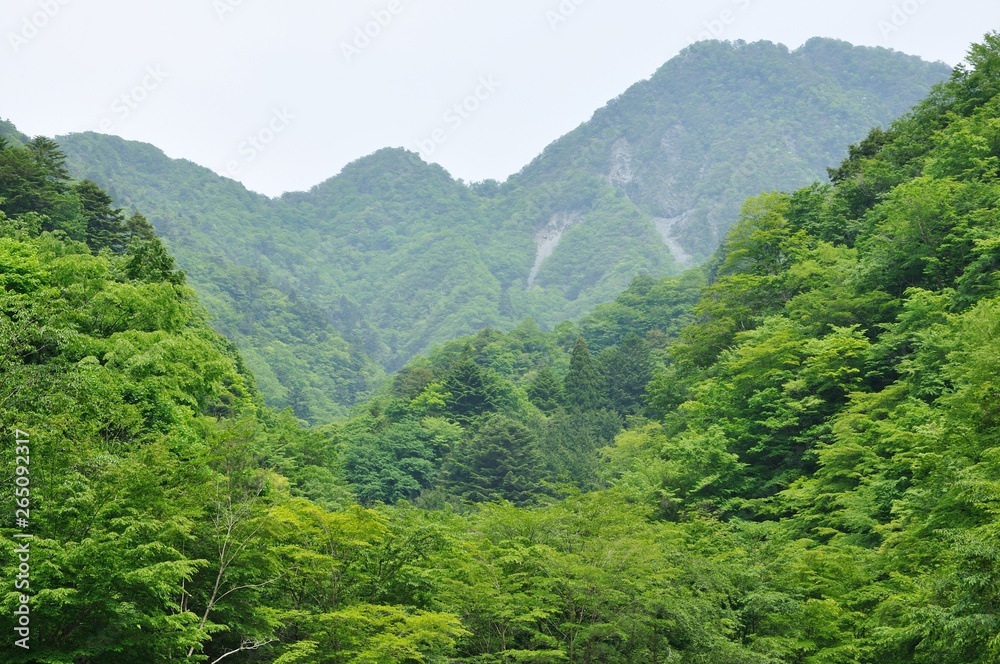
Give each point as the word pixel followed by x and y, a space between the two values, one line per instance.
pixel 246 645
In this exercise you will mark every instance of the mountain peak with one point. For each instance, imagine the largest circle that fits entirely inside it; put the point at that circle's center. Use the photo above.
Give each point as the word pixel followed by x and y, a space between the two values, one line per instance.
pixel 400 256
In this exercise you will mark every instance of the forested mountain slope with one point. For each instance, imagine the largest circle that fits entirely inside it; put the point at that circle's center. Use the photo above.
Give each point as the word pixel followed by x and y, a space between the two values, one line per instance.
pixel 11 134
pixel 316 358
pixel 818 426
pixel 322 288
pixel 787 455
pixel 717 124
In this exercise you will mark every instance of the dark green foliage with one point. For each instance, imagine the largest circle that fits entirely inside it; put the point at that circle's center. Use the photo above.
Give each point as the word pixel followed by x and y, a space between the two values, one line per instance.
pixel 796 457
pixel 867 148
pixel 391 465
pixel 401 444
pixel 470 392
pixel 105 224
pixel 571 441
pixel 654 309
pixel 545 390
pixel 32 180
pixel 500 462
pixel 50 158
pixel 627 369
pixel 150 261
pixel 325 290
pixel 139 229
pixel 585 387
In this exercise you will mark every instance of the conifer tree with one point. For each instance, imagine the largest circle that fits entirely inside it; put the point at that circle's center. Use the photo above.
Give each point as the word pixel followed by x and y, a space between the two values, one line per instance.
pixel 139 229
pixel 105 224
pixel 470 390
pixel 51 159
pixel 500 462
pixel 545 390
pixel 584 384
pixel 627 369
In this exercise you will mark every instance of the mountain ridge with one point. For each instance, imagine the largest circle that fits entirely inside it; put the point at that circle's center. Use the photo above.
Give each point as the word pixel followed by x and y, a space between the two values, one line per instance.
pixel 395 255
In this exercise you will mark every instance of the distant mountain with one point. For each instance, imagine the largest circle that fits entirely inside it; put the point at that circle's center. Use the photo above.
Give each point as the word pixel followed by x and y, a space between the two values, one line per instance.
pixel 325 289
pixel 721 122
pixel 239 259
pixel 9 132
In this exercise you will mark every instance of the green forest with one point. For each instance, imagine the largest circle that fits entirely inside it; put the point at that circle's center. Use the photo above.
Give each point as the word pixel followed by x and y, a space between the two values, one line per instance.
pixel 327 291
pixel 788 455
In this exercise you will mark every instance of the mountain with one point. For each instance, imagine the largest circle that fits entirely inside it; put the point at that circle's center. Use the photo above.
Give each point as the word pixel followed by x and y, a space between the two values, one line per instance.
pixel 10 133
pixel 719 123
pixel 393 255
pixel 813 414
pixel 788 454
pixel 302 352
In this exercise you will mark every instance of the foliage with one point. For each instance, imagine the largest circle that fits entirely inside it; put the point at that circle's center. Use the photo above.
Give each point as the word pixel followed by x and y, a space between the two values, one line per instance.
pixel 787 456
pixel 324 291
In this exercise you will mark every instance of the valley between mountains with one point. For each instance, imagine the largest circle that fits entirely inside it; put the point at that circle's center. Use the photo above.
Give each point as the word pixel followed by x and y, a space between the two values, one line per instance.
pixel 328 290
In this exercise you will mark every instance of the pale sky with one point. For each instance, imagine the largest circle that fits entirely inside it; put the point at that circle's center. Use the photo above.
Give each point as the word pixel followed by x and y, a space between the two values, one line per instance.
pixel 281 95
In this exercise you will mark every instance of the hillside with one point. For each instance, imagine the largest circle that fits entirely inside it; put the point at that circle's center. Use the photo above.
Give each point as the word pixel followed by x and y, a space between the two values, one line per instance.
pixel 393 256
pixel 718 124
pixel 812 415
pixel 787 455
pixel 316 358
pixel 9 132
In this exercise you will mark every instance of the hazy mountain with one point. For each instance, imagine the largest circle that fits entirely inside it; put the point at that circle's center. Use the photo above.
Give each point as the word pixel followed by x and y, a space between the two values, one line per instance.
pixel 722 122
pixel 229 240
pixel 324 289
pixel 789 454
pixel 9 132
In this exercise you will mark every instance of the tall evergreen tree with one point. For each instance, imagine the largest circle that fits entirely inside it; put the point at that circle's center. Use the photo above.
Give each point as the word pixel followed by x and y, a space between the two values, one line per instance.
pixel 627 369
pixel 138 229
pixel 584 384
pixel 150 261
pixel 545 390
pixel 471 391
pixel 49 156
pixel 105 224
pixel 500 462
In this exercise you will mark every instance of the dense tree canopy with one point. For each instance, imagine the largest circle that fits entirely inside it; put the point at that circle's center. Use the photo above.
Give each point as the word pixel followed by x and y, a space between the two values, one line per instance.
pixel 787 456
pixel 325 290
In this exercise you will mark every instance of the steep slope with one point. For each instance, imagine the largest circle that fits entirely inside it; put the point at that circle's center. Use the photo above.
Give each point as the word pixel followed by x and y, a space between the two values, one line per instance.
pixel 247 274
pixel 10 133
pixel 157 501
pixel 719 123
pixel 402 238
pixel 822 407
pixel 808 470
pixel 393 255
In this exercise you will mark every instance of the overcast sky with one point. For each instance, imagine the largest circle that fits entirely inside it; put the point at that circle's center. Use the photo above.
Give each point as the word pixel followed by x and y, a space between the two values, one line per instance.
pixel 282 94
